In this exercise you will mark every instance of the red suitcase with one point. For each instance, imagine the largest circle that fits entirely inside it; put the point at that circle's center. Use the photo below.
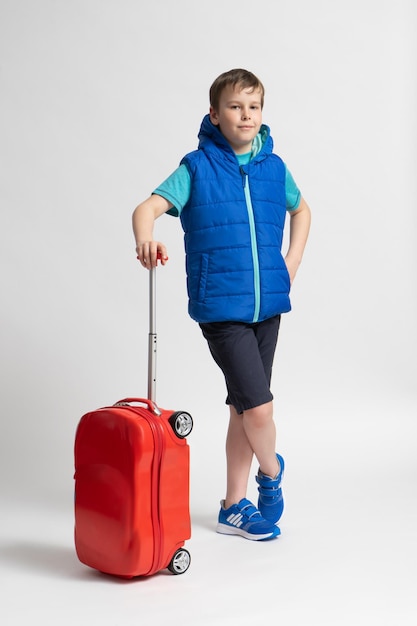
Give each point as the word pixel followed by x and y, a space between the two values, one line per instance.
pixel 132 482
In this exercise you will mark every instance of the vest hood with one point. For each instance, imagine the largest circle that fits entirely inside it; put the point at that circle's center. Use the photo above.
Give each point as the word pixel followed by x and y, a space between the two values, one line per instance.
pixel 210 134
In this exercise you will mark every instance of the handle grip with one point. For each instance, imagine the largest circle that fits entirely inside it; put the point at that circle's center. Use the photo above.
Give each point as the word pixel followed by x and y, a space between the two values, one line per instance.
pixel 158 257
pixel 149 403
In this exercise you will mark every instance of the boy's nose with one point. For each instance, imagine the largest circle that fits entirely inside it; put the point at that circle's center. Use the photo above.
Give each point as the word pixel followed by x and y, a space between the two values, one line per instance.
pixel 245 114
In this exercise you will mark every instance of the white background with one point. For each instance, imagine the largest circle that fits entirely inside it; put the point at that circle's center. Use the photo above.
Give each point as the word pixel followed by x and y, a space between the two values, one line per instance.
pixel 100 99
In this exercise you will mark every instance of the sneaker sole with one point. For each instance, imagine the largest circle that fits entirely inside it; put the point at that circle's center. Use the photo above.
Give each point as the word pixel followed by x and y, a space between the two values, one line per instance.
pixel 224 529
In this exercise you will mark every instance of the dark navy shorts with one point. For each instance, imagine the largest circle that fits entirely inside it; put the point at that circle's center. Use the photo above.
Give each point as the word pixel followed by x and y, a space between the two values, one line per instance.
pixel 244 353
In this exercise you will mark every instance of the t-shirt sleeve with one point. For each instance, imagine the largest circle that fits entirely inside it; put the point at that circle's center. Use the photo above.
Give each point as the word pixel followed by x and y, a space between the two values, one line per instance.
pixel 176 189
pixel 292 192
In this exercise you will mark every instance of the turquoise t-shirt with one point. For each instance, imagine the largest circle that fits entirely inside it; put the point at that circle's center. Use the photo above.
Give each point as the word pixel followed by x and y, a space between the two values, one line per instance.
pixel 177 187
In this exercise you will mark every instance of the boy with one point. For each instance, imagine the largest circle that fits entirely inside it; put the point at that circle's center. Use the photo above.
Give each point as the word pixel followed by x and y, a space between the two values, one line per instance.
pixel 232 195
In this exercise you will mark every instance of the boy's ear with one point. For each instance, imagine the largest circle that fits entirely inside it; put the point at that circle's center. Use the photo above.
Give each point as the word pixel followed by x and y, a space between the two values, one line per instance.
pixel 213 116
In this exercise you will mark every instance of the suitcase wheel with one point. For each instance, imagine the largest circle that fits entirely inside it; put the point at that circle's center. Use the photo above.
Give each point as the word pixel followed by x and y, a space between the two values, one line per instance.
pixel 180 562
pixel 182 424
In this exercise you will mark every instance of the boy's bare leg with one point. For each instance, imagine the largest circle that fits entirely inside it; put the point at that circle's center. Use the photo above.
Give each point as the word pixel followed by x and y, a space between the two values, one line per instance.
pixel 253 432
pixel 239 456
pixel 260 431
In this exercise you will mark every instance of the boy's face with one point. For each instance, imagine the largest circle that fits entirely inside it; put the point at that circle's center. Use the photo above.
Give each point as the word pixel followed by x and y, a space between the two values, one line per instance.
pixel 239 117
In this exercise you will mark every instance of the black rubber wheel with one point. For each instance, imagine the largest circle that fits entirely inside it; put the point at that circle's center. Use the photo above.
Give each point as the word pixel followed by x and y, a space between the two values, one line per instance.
pixel 180 562
pixel 182 423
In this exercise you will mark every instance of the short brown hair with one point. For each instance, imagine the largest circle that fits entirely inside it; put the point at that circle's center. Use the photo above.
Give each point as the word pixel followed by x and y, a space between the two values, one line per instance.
pixel 243 78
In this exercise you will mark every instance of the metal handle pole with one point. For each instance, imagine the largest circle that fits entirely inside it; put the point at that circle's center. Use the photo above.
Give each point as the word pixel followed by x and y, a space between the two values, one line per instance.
pixel 152 338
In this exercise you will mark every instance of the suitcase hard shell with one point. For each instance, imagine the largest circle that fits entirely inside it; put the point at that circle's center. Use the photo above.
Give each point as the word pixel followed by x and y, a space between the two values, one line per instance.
pixel 132 489
pixel 132 482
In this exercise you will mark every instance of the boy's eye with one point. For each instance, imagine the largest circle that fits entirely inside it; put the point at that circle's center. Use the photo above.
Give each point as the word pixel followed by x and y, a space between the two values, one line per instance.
pixel 252 106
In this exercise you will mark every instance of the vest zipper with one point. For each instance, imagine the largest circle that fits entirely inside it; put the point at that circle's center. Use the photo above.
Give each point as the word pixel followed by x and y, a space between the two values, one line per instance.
pixel 254 245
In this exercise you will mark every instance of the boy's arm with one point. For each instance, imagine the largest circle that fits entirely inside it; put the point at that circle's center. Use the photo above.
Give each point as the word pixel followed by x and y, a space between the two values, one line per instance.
pixel 143 220
pixel 299 229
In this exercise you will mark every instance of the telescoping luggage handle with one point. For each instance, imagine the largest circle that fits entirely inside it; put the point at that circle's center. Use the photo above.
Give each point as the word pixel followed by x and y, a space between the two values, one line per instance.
pixel 152 337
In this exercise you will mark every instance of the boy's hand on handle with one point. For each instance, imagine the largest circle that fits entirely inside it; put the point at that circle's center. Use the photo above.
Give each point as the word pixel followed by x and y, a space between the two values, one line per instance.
pixel 149 252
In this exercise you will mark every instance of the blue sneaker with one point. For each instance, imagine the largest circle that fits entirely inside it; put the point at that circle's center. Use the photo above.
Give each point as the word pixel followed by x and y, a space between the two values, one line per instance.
pixel 271 501
pixel 245 520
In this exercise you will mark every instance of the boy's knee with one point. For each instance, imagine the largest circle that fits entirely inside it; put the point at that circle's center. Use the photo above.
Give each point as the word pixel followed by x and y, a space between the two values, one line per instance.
pixel 259 415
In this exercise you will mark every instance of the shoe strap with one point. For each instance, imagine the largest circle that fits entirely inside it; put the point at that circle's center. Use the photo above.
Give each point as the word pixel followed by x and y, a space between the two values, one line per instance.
pixel 249 510
pixel 268 483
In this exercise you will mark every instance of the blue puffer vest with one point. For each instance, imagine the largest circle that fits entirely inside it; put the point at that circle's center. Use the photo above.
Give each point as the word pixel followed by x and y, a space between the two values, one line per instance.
pixel 233 225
